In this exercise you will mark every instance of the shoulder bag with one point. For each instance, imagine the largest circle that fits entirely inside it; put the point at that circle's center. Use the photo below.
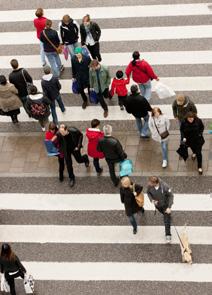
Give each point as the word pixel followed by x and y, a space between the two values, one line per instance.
pixel 139 198
pixel 164 134
pixel 58 49
pixel 28 84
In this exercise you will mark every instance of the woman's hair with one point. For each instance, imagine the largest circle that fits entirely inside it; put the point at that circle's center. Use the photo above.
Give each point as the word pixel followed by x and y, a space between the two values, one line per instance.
pixel 52 126
pixel 6 252
pixel 48 23
pixel 66 18
pixel 3 80
pixel 156 109
pixel 95 123
pixel 135 56
pixel 94 63
pixel 33 89
pixel 39 12
pixel 125 181
pixel 154 180
pixel 191 115
pixel 87 16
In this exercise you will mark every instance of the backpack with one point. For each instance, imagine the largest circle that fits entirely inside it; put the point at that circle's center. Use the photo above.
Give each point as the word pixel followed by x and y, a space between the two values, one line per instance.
pixel 39 110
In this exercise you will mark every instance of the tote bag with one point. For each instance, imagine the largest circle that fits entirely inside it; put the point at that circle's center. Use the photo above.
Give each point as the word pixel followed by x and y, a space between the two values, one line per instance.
pixel 4 284
pixel 75 87
pixel 93 97
pixel 29 284
pixel 126 168
pixel 163 91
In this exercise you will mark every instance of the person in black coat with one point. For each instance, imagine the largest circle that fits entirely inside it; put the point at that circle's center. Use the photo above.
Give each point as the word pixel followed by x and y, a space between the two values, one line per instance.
pixel 11 266
pixel 20 77
pixel 80 73
pixel 70 142
pixel 139 107
pixel 112 150
pixel 192 133
pixel 69 33
pixel 128 192
pixel 90 34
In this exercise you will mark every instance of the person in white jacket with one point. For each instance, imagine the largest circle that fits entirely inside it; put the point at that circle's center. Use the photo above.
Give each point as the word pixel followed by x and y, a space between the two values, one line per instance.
pixel 159 126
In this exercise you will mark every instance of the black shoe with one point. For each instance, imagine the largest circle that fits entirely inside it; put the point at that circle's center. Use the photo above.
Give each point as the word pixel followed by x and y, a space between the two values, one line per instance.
pixel 61 178
pixel 72 182
pixel 116 183
pixel 87 164
pixel 84 104
pixel 100 171
pixel 142 210
pixel 135 231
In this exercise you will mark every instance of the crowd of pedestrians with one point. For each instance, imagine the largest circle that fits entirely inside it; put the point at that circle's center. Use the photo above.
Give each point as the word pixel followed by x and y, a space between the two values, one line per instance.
pixel 90 74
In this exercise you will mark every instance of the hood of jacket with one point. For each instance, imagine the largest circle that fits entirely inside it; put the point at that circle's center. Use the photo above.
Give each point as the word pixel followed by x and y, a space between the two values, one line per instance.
pixel 47 77
pixel 36 96
pixel 94 133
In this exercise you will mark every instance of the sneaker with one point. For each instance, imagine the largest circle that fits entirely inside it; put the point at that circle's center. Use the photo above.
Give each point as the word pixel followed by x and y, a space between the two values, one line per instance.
pixel 135 231
pixel 200 171
pixel 164 164
pixel 105 114
pixel 168 239
pixel 84 104
pixel 43 129
pixel 61 178
pixel 145 136
pixel 122 108
pixel 44 64
pixel 72 182
pixel 193 157
pixel 62 68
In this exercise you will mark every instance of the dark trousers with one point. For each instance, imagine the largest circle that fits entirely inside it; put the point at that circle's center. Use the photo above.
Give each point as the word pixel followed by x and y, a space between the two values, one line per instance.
pixel 101 96
pixel 14 118
pixel 95 51
pixel 122 100
pixel 111 166
pixel 83 95
pixel 11 280
pixel 96 164
pixel 199 157
pixel 68 160
pixel 167 221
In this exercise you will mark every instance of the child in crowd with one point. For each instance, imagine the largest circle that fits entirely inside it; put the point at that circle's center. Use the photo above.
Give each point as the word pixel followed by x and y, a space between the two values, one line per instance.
pixel 119 87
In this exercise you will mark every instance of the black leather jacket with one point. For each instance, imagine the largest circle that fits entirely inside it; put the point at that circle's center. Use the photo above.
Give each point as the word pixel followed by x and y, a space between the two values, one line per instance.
pixel 112 149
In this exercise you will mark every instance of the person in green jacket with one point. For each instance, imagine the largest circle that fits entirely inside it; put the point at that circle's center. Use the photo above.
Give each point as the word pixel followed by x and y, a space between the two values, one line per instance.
pixel 99 82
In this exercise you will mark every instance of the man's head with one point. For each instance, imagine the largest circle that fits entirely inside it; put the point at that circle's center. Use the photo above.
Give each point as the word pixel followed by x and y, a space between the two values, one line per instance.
pixel 48 23
pixel 134 89
pixel 153 181
pixel 66 19
pixel 180 99
pixel 63 129
pixel 107 129
pixel 47 70
pixel 95 123
pixel 14 64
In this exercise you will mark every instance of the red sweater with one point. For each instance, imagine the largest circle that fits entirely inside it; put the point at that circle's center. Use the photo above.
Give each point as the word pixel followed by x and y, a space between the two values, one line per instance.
pixel 39 24
pixel 93 136
pixel 119 86
pixel 141 72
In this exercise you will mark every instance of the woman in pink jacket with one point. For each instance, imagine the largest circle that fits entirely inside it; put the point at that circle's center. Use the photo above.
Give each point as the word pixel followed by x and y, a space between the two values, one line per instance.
pixel 94 134
pixel 142 73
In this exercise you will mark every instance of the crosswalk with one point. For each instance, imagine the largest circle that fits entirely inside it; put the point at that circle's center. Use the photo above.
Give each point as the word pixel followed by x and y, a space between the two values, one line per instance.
pixel 79 241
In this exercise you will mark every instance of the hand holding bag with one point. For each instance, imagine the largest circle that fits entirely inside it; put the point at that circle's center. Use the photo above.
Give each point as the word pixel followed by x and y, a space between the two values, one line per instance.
pixel 58 49
pixel 65 52
pixel 139 197
pixel 93 97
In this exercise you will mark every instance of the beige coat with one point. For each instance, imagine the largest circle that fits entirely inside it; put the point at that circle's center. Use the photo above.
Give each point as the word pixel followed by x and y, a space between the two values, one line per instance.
pixel 9 99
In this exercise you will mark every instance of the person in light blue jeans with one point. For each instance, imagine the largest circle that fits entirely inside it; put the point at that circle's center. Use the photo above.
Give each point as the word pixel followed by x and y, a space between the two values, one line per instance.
pixel 143 127
pixel 42 54
pixel 55 62
pixel 159 126
pixel 146 89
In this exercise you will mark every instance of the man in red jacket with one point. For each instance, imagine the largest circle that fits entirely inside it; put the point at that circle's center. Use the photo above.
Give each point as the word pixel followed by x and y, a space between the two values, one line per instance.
pixel 94 134
pixel 39 24
pixel 142 73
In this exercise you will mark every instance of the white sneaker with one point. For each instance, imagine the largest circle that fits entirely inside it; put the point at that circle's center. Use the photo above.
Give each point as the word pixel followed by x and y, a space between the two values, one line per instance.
pixel 43 129
pixel 164 164
pixel 168 239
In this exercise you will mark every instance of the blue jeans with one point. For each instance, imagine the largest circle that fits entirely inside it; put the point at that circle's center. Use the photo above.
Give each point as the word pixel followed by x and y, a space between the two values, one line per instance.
pixel 55 62
pixel 146 89
pixel 71 48
pixel 164 146
pixel 42 54
pixel 132 220
pixel 143 128
pixel 53 109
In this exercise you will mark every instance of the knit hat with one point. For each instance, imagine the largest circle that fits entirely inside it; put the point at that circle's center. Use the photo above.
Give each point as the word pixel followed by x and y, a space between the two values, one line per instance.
pixel 119 74
pixel 78 50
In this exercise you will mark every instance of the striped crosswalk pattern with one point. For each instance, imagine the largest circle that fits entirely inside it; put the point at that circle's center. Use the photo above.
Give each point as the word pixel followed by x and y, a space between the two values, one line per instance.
pixel 80 242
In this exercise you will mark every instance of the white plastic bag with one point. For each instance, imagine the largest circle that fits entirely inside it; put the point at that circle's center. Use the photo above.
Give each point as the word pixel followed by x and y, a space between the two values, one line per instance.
pixel 163 91
pixel 4 284
pixel 29 284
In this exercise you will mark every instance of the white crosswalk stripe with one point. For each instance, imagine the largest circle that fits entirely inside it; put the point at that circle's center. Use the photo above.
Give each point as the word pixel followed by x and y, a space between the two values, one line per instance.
pixel 73 234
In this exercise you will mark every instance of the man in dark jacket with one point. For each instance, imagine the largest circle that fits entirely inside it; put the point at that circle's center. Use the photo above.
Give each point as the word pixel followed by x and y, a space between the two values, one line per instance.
pixel 69 33
pixel 20 77
pixel 112 150
pixel 70 141
pixel 51 42
pixel 80 73
pixel 51 88
pixel 90 34
pixel 160 194
pixel 139 107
